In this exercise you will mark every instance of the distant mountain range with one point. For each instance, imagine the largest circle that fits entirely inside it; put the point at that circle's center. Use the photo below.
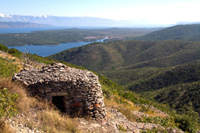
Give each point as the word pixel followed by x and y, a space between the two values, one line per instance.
pixel 75 21
pixel 19 24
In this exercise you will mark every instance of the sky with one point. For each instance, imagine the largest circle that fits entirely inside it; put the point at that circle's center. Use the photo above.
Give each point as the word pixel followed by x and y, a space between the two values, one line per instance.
pixel 151 11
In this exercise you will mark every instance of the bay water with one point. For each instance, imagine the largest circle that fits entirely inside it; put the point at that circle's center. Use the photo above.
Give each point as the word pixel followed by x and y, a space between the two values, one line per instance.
pixel 43 50
pixel 46 50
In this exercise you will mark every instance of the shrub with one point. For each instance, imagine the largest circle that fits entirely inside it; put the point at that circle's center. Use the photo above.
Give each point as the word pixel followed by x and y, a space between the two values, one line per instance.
pixel 15 52
pixel 7 105
pixel 3 48
pixel 165 122
pixel 188 122
pixel 121 128
pixel 6 68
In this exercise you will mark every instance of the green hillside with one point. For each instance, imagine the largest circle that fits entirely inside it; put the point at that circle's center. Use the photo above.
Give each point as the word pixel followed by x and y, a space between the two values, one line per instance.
pixel 146 67
pixel 173 76
pixel 178 96
pixel 179 32
pixel 125 55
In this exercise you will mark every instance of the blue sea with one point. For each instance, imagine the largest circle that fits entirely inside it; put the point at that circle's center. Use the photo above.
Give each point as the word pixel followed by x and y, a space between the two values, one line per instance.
pixel 28 29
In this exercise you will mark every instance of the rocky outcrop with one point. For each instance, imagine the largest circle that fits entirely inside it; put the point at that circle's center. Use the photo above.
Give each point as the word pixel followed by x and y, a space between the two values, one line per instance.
pixel 73 91
pixel 116 122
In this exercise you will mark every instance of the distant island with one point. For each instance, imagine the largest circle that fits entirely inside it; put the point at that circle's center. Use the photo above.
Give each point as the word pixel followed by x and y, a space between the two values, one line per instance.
pixel 54 37
pixel 19 24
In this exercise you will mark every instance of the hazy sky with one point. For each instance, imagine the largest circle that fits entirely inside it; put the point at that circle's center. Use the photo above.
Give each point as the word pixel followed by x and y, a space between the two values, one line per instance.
pixel 153 11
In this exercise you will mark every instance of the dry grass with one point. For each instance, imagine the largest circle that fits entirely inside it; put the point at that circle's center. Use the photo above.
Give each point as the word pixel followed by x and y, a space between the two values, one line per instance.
pixel 113 104
pixel 7 55
pixel 6 129
pixel 34 112
pixel 14 59
pixel 52 122
pixel 37 114
pixel 127 107
pixel 20 62
pixel 156 114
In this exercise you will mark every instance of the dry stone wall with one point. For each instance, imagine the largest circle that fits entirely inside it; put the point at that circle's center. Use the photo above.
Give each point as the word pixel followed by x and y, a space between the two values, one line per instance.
pixel 73 91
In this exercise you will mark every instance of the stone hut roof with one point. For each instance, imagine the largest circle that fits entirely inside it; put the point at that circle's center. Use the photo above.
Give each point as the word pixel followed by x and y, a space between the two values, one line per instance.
pixel 56 73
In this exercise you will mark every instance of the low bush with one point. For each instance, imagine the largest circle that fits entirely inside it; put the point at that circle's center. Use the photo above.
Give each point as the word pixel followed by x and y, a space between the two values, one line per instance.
pixel 15 52
pixel 3 48
pixel 8 106
pixel 165 122
pixel 6 68
pixel 188 121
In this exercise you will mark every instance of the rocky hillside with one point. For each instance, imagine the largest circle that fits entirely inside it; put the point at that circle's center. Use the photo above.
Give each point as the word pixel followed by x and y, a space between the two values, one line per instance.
pixel 125 110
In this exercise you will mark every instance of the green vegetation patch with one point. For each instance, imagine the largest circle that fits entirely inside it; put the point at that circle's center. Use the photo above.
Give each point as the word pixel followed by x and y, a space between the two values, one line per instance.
pixel 7 105
pixel 7 68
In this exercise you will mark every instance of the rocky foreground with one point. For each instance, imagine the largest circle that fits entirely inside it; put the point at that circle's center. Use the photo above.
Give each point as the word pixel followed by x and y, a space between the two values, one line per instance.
pixel 115 122
pixel 81 88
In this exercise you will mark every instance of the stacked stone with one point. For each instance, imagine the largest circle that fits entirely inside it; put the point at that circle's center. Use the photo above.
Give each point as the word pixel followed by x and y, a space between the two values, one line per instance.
pixel 81 92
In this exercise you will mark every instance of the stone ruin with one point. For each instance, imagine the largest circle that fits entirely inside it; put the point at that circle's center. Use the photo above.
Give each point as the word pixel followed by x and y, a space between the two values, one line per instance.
pixel 72 91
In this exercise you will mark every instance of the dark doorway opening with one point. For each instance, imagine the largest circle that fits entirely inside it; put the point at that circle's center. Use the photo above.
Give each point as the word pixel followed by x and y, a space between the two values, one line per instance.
pixel 59 103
